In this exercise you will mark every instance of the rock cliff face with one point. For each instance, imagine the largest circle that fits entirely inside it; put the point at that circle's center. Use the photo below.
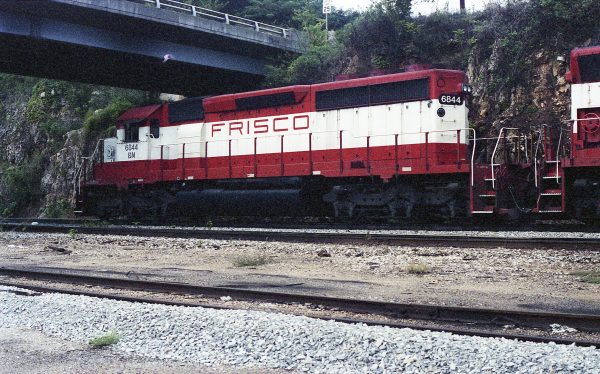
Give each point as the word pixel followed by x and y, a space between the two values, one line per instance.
pixel 17 139
pixel 59 178
pixel 542 98
pixel 45 128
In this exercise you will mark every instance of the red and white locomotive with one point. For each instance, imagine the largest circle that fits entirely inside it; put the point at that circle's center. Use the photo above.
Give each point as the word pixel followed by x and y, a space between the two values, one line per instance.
pixel 391 145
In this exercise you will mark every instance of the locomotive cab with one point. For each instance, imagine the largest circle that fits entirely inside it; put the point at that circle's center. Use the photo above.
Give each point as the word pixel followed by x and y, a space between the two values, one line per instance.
pixel 585 98
pixel 138 132
pixel 581 167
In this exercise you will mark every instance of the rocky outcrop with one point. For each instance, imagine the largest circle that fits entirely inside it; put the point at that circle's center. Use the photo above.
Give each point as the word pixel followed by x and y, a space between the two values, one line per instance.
pixel 18 139
pixel 60 177
pixel 541 98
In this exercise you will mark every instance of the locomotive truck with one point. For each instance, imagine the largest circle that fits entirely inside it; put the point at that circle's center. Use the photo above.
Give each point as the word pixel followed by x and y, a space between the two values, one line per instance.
pixel 396 145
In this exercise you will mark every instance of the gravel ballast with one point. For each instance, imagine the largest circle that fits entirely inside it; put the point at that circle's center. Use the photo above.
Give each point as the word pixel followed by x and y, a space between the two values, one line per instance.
pixel 254 339
pixel 498 278
pixel 545 234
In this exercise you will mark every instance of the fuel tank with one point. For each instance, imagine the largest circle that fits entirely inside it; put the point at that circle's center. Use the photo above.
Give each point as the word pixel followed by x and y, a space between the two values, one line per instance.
pixel 217 202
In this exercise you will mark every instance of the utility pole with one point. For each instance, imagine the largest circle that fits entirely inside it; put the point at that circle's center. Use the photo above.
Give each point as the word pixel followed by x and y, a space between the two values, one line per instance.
pixel 463 7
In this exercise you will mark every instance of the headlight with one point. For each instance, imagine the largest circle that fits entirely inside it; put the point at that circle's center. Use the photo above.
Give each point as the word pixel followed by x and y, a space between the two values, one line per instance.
pixel 466 89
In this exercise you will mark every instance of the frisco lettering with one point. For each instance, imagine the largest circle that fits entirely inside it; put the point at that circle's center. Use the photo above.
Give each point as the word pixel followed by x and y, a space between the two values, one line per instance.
pixel 261 125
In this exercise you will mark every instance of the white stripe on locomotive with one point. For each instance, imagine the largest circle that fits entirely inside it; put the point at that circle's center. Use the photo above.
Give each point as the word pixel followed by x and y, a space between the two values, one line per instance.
pixel 380 123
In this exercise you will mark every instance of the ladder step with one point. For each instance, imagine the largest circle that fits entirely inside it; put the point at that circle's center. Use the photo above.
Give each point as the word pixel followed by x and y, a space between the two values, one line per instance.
pixel 489 179
pixel 488 194
pixel 551 177
pixel 552 192
pixel 551 210
pixel 552 161
pixel 489 209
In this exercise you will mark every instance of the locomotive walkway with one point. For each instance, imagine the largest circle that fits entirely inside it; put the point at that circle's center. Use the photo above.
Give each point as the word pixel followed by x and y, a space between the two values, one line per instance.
pixel 158 45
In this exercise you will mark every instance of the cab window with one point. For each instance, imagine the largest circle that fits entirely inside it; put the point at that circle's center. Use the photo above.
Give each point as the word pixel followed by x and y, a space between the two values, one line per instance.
pixel 589 67
pixel 155 128
pixel 132 132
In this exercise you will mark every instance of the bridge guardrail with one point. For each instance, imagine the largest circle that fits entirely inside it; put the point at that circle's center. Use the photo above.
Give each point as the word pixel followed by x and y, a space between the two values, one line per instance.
pixel 214 15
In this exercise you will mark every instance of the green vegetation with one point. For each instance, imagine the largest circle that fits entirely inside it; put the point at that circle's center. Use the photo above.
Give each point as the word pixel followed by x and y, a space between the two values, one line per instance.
pixel 418 268
pixel 386 36
pixel 72 233
pixel 57 208
pixel 101 122
pixel 52 109
pixel 106 106
pixel 217 5
pixel 276 12
pixel 105 340
pixel 588 276
pixel 50 96
pixel 20 185
pixel 251 260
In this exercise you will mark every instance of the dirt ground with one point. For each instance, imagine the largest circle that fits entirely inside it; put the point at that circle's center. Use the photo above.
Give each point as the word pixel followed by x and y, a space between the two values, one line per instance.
pixel 528 279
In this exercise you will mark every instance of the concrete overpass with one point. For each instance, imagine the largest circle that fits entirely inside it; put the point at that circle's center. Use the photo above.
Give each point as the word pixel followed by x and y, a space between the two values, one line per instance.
pixel 123 43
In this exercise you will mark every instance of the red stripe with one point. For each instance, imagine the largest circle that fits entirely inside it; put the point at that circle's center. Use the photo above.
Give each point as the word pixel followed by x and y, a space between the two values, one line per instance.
pixel 381 161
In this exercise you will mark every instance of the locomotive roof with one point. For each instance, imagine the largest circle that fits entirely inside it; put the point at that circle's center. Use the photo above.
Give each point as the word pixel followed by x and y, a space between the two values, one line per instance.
pixel 396 77
pixel 594 50
pixel 139 113
pixel 228 102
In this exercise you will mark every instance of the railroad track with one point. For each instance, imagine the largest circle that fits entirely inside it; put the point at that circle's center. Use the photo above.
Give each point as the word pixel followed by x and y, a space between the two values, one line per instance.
pixel 326 224
pixel 476 322
pixel 305 235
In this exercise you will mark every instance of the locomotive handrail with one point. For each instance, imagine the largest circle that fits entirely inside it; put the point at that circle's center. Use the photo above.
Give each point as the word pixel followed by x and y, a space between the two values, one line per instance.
pixel 92 158
pixel 319 133
pixel 228 19
pixel 82 169
pixel 558 152
pixel 494 153
pixel 535 157
pixel 557 155
pixel 340 133
pixel 473 155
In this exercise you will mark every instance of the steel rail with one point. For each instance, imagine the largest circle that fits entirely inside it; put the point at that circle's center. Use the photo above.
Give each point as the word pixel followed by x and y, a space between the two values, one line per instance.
pixel 478 319
pixel 321 236
pixel 48 221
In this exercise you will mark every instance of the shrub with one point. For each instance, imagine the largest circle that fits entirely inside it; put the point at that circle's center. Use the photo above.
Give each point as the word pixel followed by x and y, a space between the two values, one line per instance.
pixel 100 121
pixel 20 185
pixel 57 208
pixel 250 260
pixel 105 340
pixel 588 276
pixel 50 96
pixel 418 268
